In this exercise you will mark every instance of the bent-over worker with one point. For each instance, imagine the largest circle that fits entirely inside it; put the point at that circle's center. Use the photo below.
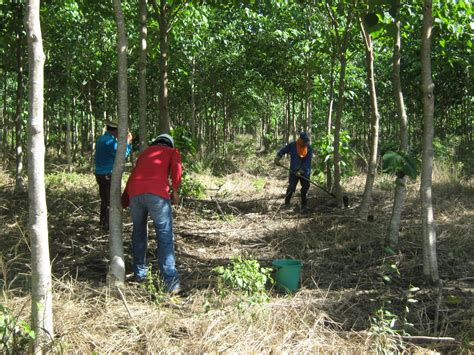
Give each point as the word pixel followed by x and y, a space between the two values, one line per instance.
pixel 148 193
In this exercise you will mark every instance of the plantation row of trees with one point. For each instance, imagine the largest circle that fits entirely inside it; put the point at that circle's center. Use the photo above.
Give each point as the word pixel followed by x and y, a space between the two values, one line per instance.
pixel 357 75
pixel 218 68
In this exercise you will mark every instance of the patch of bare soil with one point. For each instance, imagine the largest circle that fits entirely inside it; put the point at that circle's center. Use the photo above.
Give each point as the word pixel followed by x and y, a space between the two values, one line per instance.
pixel 350 281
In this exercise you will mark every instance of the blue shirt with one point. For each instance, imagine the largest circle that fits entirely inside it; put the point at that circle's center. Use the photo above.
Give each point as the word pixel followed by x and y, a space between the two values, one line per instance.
pixel 296 162
pixel 105 150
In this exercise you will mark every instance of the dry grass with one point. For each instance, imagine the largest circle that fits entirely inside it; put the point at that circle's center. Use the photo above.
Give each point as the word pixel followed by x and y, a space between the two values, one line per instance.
pixel 243 214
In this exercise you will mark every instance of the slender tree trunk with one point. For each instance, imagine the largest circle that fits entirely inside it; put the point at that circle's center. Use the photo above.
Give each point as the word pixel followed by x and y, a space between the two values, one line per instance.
pixel 92 128
pixel 430 263
pixel 4 145
pixel 162 14
pixel 309 103
pixel 399 199
pixel 142 107
pixel 341 45
pixel 41 287
pixel 68 139
pixel 116 275
pixel 287 118
pixel 374 126
pixel 193 97
pixel 293 116
pixel 329 123
pixel 19 180
pixel 67 115
pixel 337 131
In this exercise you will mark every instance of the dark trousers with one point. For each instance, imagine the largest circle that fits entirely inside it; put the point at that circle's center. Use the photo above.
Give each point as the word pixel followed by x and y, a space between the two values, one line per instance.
pixel 292 182
pixel 104 192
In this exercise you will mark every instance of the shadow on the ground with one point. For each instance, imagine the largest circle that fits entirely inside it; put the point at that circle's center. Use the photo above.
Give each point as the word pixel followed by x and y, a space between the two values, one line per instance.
pixel 342 255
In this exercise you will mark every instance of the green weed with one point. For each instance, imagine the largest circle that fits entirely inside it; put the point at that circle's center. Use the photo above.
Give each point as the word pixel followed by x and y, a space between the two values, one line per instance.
pixel 258 183
pixel 154 286
pixel 16 335
pixel 385 338
pixel 246 276
pixel 191 187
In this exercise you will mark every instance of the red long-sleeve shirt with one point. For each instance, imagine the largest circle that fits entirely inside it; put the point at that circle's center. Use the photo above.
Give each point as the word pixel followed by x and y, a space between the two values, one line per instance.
pixel 152 171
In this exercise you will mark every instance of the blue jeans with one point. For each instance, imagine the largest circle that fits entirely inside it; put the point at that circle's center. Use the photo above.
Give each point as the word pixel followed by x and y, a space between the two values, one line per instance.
pixel 160 212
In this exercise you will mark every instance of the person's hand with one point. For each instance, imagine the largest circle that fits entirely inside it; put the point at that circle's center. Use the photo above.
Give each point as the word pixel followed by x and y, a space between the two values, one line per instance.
pixel 175 197
pixel 277 160
pixel 129 138
pixel 299 173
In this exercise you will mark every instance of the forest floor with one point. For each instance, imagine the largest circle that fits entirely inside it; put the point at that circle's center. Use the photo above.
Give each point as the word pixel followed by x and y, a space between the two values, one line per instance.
pixel 351 286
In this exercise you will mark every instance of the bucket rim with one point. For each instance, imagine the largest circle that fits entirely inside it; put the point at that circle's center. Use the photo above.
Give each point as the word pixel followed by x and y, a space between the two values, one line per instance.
pixel 293 262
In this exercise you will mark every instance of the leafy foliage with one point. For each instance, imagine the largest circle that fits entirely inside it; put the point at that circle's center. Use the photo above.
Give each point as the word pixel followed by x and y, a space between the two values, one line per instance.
pixel 324 149
pixel 400 164
pixel 15 334
pixel 247 276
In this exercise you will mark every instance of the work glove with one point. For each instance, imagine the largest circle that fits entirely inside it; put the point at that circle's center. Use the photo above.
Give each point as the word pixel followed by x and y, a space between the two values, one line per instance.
pixel 299 173
pixel 277 160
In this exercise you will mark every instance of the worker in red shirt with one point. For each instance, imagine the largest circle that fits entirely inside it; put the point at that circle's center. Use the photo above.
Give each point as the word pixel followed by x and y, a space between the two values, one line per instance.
pixel 148 192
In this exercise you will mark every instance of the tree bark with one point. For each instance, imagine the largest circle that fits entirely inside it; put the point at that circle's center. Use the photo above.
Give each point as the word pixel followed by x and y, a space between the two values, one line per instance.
pixel 399 199
pixel 342 45
pixel 309 102
pixel 68 139
pixel 142 107
pixel 41 287
pixel 4 138
pixel 116 274
pixel 19 180
pixel 68 122
pixel 374 124
pixel 193 97
pixel 430 263
pixel 162 14
pixel 329 123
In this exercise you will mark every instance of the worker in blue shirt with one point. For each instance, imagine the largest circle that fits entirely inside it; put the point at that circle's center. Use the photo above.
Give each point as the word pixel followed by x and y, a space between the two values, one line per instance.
pixel 105 150
pixel 301 154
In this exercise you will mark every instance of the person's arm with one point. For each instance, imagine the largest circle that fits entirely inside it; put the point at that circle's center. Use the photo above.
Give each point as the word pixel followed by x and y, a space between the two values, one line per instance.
pixel 129 145
pixel 176 173
pixel 285 150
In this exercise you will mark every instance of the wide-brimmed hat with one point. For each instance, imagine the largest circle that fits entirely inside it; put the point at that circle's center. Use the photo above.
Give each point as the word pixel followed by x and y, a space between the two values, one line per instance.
pixel 112 122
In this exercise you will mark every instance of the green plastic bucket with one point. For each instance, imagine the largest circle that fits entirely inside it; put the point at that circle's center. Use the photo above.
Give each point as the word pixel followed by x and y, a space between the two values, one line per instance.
pixel 287 273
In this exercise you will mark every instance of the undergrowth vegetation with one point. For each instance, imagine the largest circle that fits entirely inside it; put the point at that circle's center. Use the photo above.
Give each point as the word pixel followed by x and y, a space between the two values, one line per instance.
pixel 356 295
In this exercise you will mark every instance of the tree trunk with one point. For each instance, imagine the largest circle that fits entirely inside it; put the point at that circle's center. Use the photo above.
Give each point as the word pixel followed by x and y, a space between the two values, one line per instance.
pixel 394 226
pixel 92 128
pixel 309 103
pixel 337 131
pixel 4 145
pixel 162 13
pixel 430 263
pixel 329 123
pixel 341 45
pixel 193 97
pixel 41 287
pixel 19 180
pixel 293 116
pixel 68 139
pixel 374 124
pixel 142 130
pixel 116 274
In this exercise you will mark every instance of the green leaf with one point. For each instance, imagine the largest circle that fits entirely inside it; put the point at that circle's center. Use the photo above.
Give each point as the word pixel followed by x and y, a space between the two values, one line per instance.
pixel 390 251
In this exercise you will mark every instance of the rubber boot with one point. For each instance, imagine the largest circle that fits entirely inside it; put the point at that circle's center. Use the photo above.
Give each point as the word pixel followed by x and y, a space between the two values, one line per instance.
pixel 288 196
pixel 304 204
